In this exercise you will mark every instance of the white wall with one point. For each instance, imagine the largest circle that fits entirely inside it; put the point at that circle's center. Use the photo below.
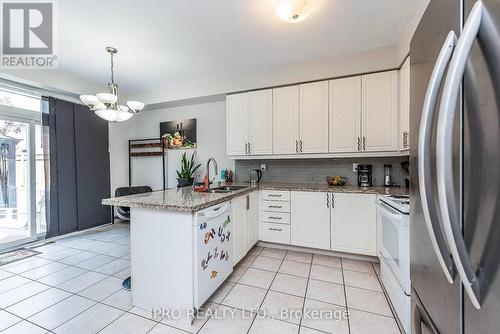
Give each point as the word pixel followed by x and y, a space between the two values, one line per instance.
pixel 211 138
pixel 367 61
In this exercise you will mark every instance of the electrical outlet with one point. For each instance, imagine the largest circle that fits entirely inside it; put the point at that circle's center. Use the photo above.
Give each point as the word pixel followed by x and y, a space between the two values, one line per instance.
pixel 263 167
pixel 355 168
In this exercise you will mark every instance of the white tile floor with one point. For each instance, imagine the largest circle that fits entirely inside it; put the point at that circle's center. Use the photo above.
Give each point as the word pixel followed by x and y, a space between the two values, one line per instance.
pixel 74 286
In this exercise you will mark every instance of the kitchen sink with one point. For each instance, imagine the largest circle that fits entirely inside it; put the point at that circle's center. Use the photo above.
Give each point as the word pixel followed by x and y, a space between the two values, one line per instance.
pixel 224 189
pixel 232 188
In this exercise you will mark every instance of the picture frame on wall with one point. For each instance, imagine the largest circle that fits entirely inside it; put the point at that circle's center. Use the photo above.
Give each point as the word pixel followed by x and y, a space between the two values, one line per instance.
pixel 180 134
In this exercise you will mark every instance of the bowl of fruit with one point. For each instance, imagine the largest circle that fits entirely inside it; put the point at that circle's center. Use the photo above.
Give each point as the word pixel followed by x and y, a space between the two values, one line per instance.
pixel 336 180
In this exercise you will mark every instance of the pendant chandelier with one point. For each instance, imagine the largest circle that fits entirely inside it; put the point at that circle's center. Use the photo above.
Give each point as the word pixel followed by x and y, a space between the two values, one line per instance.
pixel 106 105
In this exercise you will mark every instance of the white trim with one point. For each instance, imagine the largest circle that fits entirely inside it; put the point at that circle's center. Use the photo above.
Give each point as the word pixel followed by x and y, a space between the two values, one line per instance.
pixel 321 155
pixel 22 115
pixel 30 119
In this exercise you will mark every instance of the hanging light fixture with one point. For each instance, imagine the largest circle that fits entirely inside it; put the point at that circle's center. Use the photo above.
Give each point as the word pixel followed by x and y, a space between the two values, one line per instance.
pixel 292 11
pixel 106 105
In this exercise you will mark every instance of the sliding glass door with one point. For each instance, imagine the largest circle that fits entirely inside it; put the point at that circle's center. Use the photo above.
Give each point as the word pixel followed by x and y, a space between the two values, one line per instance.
pixel 22 175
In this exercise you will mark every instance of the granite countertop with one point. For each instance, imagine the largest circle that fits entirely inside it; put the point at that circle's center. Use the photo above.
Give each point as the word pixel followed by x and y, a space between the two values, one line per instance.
pixel 378 190
pixel 188 200
pixel 181 200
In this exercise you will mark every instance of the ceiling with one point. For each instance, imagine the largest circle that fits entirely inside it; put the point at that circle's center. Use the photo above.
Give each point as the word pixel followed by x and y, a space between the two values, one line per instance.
pixel 162 42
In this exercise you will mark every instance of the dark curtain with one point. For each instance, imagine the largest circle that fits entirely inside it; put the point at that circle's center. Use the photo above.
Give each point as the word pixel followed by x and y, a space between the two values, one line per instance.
pixel 78 168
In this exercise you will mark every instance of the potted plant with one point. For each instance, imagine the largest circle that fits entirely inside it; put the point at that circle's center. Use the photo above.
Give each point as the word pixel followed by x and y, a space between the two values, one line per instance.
pixel 185 175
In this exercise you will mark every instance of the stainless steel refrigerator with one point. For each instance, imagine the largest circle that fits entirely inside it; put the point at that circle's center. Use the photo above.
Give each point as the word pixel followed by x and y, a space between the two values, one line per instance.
pixel 455 168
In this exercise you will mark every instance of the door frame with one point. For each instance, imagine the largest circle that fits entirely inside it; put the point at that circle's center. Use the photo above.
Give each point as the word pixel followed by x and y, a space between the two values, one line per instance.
pixel 31 118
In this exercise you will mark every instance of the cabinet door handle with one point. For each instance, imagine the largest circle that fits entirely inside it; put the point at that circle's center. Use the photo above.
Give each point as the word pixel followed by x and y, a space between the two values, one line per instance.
pixel 274 195
pixel 296 146
pixel 328 201
pixel 300 146
pixel 364 143
pixel 333 202
pixel 249 150
pixel 278 218
pixel 246 148
pixel 275 206
pixel 248 202
pixel 405 139
pixel 274 229
pixel 359 144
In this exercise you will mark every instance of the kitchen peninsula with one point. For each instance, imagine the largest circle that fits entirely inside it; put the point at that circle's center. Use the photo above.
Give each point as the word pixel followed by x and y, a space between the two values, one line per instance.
pixel 184 244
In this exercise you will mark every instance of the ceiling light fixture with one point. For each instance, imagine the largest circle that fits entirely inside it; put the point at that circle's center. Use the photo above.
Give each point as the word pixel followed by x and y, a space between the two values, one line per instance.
pixel 293 11
pixel 106 105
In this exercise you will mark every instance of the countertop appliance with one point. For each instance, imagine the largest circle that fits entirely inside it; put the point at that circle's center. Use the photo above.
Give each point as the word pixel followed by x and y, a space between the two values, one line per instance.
pixel 213 250
pixel 455 198
pixel 255 175
pixel 394 253
pixel 365 175
pixel 388 176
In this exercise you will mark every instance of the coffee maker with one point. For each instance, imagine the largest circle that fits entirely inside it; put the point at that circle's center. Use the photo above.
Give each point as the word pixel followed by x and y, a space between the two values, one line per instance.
pixel 365 175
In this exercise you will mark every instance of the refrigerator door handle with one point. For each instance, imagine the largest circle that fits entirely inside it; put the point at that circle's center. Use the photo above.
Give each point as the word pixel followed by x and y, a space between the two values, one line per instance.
pixel 444 161
pixel 419 318
pixel 424 158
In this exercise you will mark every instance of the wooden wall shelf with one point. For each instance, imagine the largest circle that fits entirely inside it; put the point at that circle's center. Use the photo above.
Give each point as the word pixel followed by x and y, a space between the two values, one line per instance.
pixel 145 145
pixel 148 147
pixel 145 154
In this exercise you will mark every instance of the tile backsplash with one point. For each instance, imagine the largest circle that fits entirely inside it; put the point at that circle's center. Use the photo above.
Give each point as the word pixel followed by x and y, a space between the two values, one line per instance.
pixel 316 170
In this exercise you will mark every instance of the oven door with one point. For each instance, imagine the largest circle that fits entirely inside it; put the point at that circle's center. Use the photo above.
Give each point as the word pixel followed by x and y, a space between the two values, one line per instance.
pixel 394 242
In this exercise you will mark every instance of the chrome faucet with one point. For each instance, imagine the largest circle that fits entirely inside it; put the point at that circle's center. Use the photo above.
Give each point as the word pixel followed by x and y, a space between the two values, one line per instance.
pixel 208 170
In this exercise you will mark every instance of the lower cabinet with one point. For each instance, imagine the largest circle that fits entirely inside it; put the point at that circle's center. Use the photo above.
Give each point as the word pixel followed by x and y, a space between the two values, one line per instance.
pixel 245 224
pixel 275 216
pixel 252 200
pixel 239 227
pixel 310 219
pixel 331 221
pixel 354 224
pixel 339 222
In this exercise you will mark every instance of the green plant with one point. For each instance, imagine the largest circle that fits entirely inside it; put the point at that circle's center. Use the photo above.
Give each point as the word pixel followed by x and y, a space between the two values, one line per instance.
pixel 187 167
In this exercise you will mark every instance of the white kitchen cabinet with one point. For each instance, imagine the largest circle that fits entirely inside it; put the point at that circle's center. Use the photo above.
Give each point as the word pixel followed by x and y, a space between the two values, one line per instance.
pixel 286 120
pixel 313 117
pixel 310 219
pixel 345 115
pixel 404 106
pixel 380 111
pixel 245 224
pixel 252 219
pixel 260 122
pixel 249 122
pixel 239 205
pixel 354 224
pixel 237 124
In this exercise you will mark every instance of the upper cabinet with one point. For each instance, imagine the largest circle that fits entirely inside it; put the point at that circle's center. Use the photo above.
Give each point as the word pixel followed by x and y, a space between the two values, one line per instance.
pixel 260 122
pixel 404 106
pixel 313 118
pixel 368 113
pixel 237 124
pixel 286 120
pixel 380 111
pixel 345 115
pixel 249 123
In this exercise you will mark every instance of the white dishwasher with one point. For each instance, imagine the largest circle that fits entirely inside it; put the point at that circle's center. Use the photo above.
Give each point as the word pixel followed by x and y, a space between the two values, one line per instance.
pixel 213 250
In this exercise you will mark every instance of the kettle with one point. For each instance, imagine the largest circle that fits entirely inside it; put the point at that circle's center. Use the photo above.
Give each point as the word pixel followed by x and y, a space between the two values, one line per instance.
pixel 255 175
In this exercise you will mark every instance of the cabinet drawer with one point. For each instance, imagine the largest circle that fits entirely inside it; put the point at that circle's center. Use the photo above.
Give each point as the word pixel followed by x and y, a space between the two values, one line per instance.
pixel 275 233
pixel 275 195
pixel 275 206
pixel 275 217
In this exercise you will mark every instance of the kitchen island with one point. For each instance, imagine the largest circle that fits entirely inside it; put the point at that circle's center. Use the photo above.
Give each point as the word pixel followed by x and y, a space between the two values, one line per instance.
pixel 181 246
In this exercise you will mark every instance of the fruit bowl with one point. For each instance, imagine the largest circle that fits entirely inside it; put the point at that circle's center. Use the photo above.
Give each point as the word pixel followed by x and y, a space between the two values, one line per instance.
pixel 336 180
